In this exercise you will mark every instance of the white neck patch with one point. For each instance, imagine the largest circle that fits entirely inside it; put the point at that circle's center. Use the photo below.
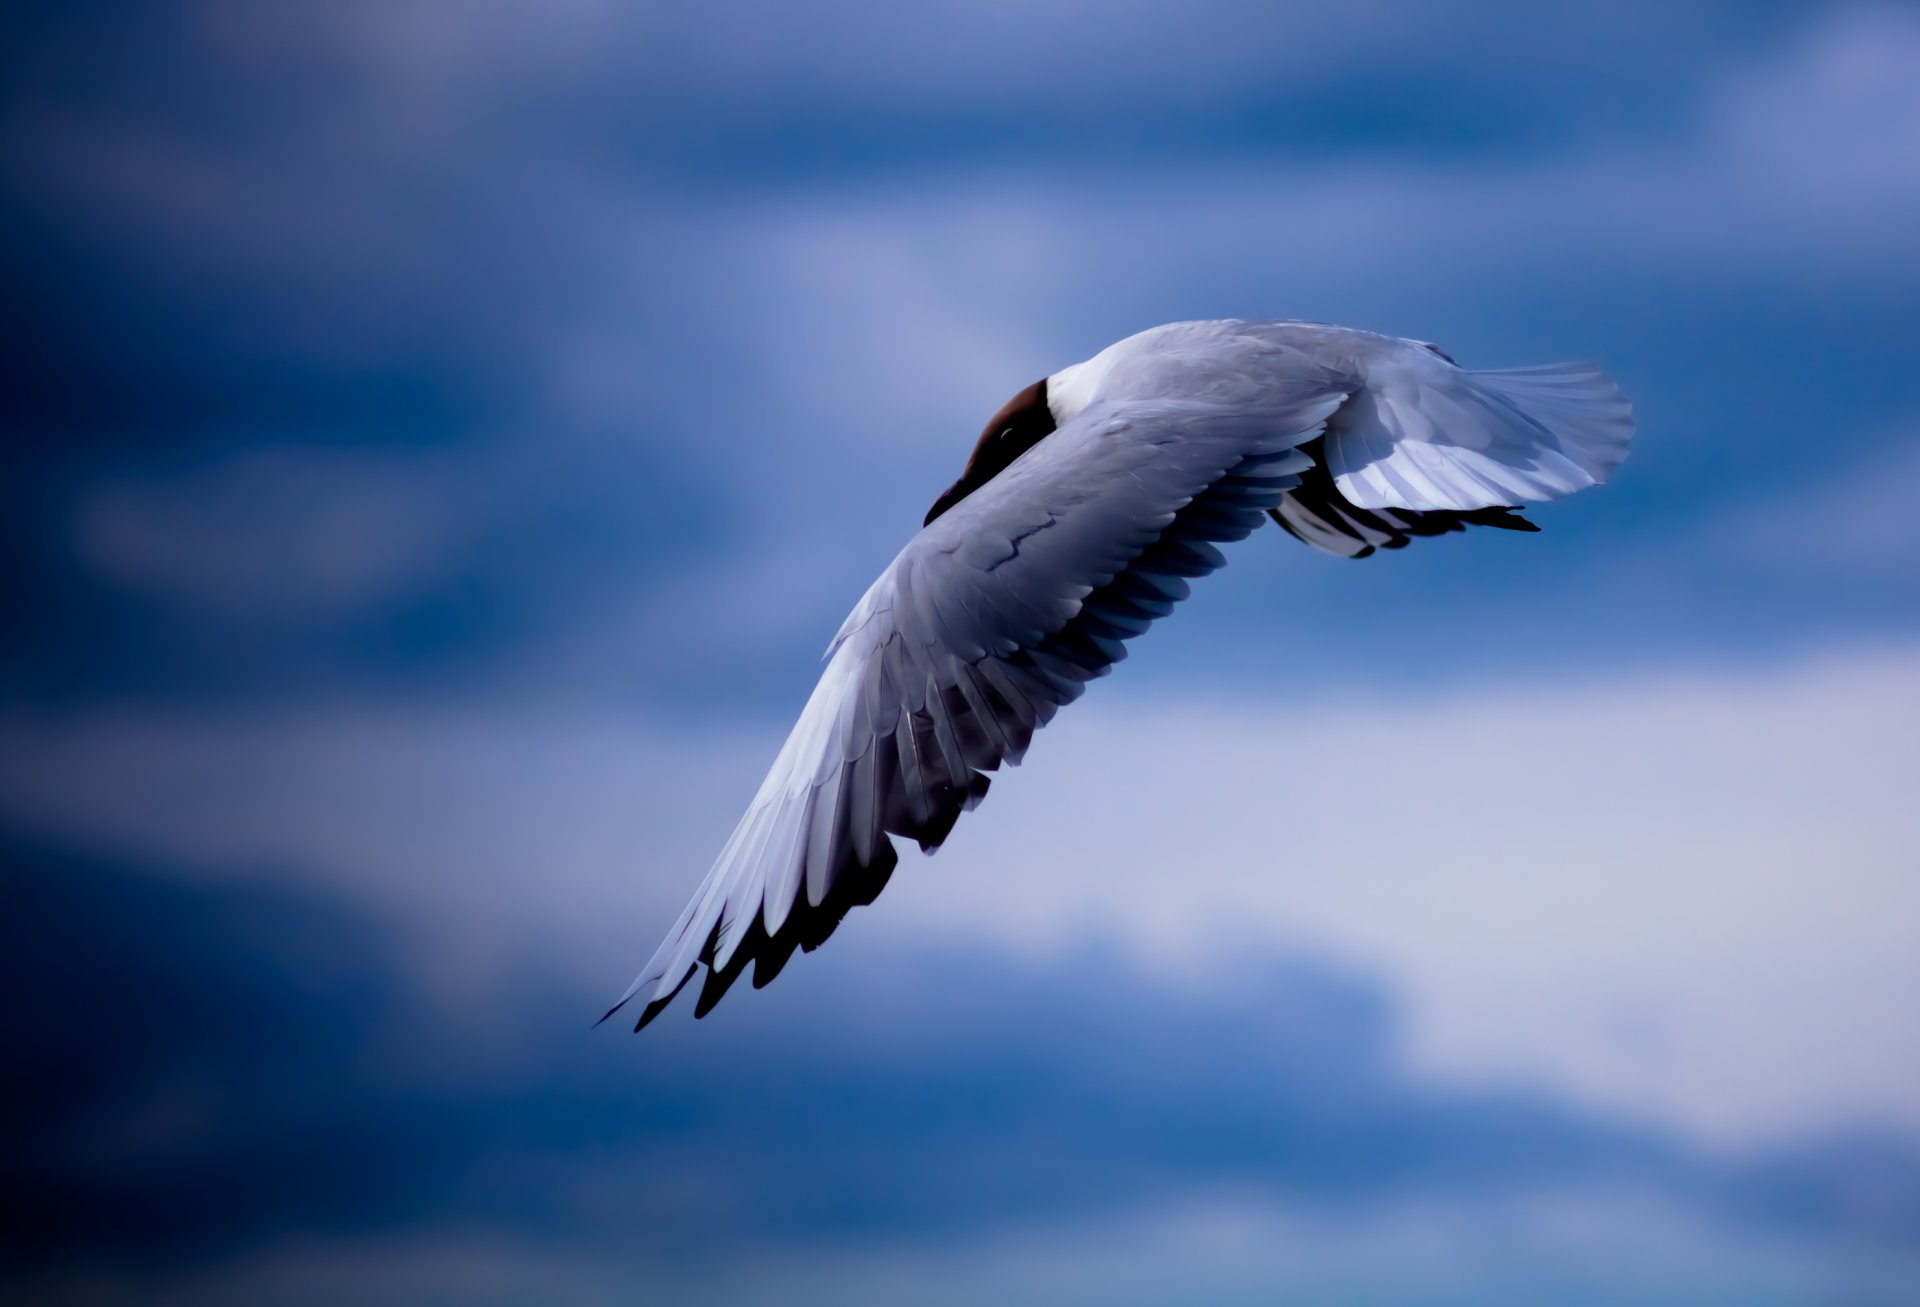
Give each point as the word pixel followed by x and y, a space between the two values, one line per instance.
pixel 1071 389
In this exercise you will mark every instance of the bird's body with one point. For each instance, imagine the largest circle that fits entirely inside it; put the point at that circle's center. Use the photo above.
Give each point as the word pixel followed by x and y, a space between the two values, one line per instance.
pixel 1088 503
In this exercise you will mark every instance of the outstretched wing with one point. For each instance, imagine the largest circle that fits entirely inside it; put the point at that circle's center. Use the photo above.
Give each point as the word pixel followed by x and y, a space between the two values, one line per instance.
pixel 990 620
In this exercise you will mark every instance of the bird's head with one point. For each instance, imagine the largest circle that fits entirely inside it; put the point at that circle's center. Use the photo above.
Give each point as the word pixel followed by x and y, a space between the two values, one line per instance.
pixel 1021 423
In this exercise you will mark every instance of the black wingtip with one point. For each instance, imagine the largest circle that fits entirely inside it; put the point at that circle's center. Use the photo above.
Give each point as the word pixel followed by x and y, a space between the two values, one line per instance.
pixel 653 1008
pixel 1502 518
pixel 606 1016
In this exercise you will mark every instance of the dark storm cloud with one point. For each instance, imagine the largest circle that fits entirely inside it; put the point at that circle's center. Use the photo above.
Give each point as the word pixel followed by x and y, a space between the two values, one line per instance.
pixel 203 1071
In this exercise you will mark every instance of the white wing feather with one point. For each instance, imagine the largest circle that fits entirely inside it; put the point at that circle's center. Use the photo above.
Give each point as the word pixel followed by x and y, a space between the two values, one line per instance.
pixel 1423 434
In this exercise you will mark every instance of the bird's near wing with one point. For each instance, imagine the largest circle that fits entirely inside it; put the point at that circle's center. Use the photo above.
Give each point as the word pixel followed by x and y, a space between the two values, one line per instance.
pixel 990 620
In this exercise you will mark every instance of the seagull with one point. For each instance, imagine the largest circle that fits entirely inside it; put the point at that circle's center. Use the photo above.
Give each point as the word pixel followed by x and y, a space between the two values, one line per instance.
pixel 1089 502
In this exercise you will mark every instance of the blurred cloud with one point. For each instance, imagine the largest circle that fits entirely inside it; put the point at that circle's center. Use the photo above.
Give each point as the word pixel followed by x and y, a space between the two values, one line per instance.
pixel 281 1087
pixel 324 532
pixel 587 395
pixel 1860 521
pixel 1649 895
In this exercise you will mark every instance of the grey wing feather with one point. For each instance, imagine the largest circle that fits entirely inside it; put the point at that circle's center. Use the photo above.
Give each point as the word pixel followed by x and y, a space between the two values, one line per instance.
pixel 990 620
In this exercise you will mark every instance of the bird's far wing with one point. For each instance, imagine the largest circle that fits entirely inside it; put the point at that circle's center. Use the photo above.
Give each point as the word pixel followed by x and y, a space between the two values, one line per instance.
pixel 1316 513
pixel 1423 434
pixel 990 620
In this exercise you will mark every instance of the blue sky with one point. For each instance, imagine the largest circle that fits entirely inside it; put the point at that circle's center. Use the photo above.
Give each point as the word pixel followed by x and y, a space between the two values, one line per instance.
pixel 443 436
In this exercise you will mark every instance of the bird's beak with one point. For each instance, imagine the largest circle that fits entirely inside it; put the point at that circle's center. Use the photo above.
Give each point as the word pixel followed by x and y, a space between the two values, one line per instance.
pixel 951 496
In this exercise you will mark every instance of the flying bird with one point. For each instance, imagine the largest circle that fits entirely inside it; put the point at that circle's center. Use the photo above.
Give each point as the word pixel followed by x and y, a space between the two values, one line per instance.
pixel 1089 502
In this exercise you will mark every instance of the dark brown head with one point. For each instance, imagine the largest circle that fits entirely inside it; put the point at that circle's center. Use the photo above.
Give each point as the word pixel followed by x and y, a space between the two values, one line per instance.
pixel 1020 424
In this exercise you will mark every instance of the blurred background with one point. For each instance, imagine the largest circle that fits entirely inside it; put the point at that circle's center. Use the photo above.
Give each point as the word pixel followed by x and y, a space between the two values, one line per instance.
pixel 441 437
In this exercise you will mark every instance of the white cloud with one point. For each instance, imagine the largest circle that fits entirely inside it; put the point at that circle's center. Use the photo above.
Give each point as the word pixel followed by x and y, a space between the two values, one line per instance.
pixel 1690 898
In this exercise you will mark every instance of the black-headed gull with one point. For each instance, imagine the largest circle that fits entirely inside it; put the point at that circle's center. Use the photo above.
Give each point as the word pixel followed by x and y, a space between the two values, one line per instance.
pixel 1090 500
